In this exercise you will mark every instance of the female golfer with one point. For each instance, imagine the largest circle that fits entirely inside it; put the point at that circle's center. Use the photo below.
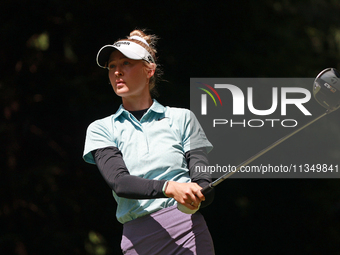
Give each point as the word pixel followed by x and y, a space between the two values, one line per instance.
pixel 147 154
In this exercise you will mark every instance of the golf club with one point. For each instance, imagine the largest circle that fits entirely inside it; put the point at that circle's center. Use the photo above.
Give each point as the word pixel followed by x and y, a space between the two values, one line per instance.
pixel 326 91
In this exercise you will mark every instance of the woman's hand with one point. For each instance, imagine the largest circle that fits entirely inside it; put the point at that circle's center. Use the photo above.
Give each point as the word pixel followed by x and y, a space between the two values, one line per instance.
pixel 187 194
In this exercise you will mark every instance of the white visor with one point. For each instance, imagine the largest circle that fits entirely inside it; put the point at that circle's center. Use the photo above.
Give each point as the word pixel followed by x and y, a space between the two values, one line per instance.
pixel 127 48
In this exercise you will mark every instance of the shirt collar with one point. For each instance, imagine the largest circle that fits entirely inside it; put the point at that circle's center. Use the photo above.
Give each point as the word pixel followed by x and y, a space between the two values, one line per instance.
pixel 157 107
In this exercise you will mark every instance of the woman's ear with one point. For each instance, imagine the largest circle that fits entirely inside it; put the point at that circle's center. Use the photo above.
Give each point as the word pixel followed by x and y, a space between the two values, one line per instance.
pixel 151 70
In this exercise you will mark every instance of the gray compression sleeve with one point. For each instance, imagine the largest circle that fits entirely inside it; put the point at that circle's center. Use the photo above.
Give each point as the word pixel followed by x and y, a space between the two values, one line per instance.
pixel 111 165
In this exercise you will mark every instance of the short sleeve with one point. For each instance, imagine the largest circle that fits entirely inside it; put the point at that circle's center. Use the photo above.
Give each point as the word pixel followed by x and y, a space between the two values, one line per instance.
pixel 193 135
pixel 98 135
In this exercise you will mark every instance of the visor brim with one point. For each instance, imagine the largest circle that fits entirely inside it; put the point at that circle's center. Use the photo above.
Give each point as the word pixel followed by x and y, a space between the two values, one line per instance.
pixel 105 52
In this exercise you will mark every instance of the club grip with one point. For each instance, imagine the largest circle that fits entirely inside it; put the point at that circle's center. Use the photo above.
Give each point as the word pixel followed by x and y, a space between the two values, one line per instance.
pixel 206 189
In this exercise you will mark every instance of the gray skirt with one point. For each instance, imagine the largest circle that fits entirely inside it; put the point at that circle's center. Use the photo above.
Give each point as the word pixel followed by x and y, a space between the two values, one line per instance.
pixel 169 232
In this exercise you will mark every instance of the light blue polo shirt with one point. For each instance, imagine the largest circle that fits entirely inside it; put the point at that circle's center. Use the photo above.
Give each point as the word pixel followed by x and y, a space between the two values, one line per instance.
pixel 152 148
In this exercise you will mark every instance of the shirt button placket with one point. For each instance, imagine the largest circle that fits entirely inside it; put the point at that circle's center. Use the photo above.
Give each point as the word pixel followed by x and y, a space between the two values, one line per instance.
pixel 143 147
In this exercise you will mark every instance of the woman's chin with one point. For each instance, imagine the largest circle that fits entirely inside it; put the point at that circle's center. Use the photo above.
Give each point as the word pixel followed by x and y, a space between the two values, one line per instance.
pixel 122 92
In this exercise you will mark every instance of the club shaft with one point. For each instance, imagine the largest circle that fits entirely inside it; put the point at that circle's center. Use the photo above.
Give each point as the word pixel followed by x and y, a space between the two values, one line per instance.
pixel 248 161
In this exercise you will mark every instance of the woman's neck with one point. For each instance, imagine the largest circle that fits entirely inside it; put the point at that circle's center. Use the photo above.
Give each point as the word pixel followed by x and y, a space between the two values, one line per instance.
pixel 136 104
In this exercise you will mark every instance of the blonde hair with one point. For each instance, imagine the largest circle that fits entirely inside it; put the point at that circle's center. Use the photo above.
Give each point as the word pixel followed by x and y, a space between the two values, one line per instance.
pixel 151 40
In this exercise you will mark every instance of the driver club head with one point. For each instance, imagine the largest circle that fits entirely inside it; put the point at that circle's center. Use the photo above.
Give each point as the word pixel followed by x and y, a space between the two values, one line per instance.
pixel 326 89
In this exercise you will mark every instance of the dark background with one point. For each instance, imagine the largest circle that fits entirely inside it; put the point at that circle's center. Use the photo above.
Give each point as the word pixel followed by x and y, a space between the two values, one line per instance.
pixel 52 202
